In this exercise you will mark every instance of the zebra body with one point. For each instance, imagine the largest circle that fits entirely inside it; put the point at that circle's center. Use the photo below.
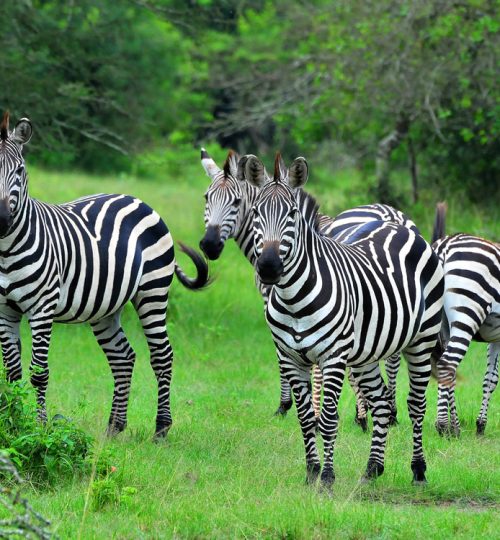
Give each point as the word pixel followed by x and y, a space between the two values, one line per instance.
pixel 229 201
pixel 337 305
pixel 471 312
pixel 82 262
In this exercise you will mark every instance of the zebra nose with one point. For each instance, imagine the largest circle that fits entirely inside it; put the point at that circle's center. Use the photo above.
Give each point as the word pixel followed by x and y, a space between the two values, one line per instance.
pixel 270 265
pixel 5 217
pixel 211 244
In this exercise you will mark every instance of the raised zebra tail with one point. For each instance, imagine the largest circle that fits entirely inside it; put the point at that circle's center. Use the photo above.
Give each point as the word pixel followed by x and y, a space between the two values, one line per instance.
pixel 202 278
pixel 438 231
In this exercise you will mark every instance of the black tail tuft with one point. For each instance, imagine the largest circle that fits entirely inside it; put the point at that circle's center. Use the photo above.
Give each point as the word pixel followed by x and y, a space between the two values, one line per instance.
pixel 438 231
pixel 202 279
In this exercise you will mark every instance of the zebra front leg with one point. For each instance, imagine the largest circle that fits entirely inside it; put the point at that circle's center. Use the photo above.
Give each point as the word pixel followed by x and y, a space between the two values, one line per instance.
pixel 41 330
pixel 333 377
pixel 317 385
pixel 374 389
pixel 361 417
pixel 391 368
pixel 121 359
pixel 419 372
pixel 11 348
pixel 299 377
pixel 285 395
pixel 489 384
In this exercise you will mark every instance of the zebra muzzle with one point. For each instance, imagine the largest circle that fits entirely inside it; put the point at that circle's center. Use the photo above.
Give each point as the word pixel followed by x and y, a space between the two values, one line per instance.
pixel 211 244
pixel 269 264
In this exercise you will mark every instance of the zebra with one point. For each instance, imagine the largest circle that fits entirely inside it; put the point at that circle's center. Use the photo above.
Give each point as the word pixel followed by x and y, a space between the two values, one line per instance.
pixel 338 305
pixel 471 312
pixel 227 214
pixel 82 262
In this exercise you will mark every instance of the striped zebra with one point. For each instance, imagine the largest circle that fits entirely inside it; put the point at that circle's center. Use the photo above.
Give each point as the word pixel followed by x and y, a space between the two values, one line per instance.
pixel 471 312
pixel 82 262
pixel 228 215
pixel 338 305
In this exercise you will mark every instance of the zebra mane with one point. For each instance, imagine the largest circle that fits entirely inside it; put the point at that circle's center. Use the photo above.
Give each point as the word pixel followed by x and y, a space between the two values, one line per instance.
pixel 308 207
pixel 4 126
pixel 280 170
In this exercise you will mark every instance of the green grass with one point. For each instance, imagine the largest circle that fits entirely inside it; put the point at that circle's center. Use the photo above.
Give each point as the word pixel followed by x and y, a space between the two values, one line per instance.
pixel 229 468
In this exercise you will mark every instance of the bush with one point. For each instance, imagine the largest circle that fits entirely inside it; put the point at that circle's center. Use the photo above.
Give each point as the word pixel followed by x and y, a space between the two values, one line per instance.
pixel 42 453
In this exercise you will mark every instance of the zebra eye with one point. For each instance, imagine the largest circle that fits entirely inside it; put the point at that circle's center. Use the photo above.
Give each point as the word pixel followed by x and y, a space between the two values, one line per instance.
pixel 237 202
pixel 293 211
pixel 19 170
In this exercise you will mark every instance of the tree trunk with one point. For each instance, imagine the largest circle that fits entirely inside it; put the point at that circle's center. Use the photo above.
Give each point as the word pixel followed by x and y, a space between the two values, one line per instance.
pixel 412 161
pixel 384 151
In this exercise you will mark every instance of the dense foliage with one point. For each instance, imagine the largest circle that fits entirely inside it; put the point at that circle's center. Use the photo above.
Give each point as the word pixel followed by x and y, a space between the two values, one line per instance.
pixel 104 81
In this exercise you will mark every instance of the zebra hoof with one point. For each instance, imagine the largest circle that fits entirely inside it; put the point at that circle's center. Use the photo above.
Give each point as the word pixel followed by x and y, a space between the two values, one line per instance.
pixel 480 427
pixel 312 472
pixel 455 431
pixel 442 428
pixel 374 469
pixel 362 423
pixel 418 468
pixel 161 431
pixel 115 427
pixel 327 480
pixel 284 407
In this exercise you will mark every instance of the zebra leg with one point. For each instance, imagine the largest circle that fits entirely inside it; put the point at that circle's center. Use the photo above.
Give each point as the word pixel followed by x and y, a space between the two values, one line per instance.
pixel 317 385
pixel 121 359
pixel 361 405
pixel 333 376
pixel 299 377
pixel 374 389
pixel 489 384
pixel 152 309
pixel 285 395
pixel 41 330
pixel 11 348
pixel 419 372
pixel 447 373
pixel 391 368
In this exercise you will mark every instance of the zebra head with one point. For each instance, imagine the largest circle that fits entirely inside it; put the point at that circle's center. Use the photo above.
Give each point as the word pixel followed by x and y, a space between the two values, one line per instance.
pixel 223 207
pixel 275 213
pixel 13 180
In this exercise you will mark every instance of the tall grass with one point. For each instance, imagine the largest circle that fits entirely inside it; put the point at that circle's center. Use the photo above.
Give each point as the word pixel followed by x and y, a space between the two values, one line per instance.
pixel 229 468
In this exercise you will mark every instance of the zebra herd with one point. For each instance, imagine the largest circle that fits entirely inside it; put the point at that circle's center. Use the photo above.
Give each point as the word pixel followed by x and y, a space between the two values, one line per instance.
pixel 339 294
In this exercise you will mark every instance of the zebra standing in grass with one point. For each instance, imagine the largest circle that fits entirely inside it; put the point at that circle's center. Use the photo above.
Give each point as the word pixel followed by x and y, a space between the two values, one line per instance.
pixel 338 305
pixel 228 215
pixel 82 262
pixel 471 311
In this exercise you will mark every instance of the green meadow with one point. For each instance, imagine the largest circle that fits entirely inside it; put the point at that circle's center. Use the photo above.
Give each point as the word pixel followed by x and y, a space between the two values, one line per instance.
pixel 229 468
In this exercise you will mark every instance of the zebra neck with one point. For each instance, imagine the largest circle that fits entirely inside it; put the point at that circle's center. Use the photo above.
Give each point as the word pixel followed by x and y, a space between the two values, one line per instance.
pixel 244 235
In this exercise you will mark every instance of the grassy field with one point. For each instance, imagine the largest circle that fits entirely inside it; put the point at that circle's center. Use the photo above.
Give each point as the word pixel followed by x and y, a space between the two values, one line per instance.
pixel 229 468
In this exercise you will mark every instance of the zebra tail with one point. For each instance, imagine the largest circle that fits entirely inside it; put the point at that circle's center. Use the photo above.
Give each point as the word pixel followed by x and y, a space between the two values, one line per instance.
pixel 438 231
pixel 202 278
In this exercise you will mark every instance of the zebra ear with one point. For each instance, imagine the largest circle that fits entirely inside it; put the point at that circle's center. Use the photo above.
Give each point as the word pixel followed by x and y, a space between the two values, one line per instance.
pixel 251 169
pixel 22 132
pixel 231 164
pixel 298 173
pixel 209 164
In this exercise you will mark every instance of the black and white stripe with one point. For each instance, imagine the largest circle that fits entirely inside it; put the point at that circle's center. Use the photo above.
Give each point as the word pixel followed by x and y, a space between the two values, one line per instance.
pixel 82 262
pixel 471 312
pixel 336 305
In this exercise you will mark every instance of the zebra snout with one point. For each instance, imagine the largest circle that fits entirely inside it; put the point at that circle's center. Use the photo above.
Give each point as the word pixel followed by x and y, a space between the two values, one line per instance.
pixel 5 218
pixel 211 244
pixel 269 264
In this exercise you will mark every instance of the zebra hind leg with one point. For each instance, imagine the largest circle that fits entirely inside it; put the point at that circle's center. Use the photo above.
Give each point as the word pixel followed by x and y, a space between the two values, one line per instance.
pixel 151 308
pixel 285 396
pixel 391 368
pixel 121 359
pixel 489 384
pixel 419 372
pixel 374 389
pixel 361 415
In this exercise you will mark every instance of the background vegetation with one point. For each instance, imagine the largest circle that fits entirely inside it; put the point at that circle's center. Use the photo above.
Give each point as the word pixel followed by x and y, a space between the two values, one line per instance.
pixel 395 102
